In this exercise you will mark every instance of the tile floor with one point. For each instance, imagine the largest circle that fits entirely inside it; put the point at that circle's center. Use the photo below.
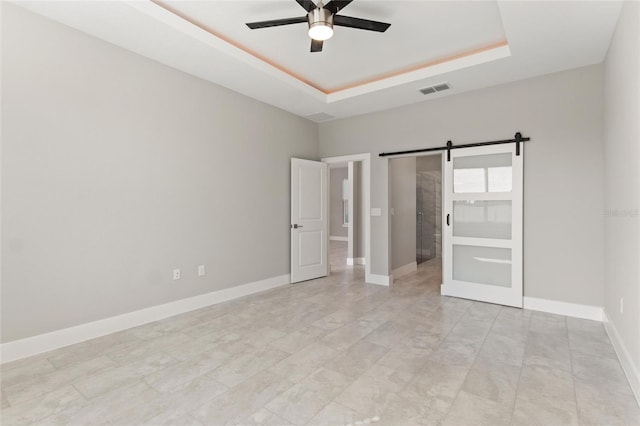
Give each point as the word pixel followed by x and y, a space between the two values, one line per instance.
pixel 332 351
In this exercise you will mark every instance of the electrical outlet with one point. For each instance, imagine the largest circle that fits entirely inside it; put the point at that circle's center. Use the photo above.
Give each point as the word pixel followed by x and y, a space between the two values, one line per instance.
pixel 622 305
pixel 201 271
pixel 176 274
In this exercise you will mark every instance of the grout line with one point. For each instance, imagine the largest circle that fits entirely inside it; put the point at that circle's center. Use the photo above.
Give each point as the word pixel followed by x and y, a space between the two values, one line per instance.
pixel 474 360
pixel 573 377
pixel 438 346
pixel 526 342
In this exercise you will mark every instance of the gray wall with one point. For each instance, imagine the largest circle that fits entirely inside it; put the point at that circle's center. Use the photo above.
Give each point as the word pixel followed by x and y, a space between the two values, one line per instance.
pixel 337 174
pixel 116 169
pixel 622 179
pixel 402 193
pixel 563 194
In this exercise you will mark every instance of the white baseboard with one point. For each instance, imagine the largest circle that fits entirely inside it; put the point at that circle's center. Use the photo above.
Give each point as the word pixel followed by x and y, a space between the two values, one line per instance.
pixel 385 280
pixel 563 308
pixel 630 369
pixel 356 261
pixel 405 269
pixel 23 348
pixel 337 238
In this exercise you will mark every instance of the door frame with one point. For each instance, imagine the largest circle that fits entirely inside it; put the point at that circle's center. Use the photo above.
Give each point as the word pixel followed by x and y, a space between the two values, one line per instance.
pixel 365 159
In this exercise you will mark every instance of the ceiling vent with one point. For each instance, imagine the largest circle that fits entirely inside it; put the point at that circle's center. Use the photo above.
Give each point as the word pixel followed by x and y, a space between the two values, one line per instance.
pixel 319 117
pixel 435 88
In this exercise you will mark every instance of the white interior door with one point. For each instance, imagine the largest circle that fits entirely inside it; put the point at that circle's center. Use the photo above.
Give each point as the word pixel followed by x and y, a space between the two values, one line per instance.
pixel 482 224
pixel 309 221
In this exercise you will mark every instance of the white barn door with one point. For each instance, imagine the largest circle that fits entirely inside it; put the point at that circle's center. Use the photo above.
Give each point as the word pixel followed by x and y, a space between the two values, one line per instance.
pixel 309 221
pixel 482 224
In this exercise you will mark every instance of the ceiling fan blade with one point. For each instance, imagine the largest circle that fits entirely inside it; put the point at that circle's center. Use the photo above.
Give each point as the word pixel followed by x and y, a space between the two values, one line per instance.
pixel 362 24
pixel 336 6
pixel 308 5
pixel 276 22
pixel 316 45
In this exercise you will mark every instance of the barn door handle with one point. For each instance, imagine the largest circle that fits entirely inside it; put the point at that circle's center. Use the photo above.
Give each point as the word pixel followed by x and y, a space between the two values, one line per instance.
pixel 448 219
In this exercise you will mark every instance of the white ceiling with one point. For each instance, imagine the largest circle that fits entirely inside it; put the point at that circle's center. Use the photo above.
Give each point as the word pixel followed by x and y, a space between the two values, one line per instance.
pixel 353 55
pixel 470 45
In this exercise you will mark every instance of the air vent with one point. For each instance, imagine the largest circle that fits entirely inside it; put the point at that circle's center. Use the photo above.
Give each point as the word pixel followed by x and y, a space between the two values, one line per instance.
pixel 428 90
pixel 319 117
pixel 435 88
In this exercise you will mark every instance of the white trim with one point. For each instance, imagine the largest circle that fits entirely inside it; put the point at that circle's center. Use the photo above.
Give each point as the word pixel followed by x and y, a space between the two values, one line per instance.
pixel 563 308
pixel 492 54
pixel 23 348
pixel 366 188
pixel 405 269
pixel 629 368
pixel 356 261
pixel 385 280
pixel 337 238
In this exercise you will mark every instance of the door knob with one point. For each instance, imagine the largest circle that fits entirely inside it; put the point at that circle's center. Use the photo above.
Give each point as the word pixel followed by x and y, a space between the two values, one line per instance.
pixel 296 226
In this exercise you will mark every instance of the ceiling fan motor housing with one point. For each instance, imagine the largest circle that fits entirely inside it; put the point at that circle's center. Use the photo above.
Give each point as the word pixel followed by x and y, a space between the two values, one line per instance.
pixel 320 17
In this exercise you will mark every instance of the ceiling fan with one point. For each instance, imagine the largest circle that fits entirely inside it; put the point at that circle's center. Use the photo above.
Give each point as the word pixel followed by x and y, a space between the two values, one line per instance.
pixel 321 19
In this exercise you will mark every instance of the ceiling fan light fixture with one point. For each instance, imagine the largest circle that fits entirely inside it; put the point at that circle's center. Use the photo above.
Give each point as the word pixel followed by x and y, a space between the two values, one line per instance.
pixel 320 24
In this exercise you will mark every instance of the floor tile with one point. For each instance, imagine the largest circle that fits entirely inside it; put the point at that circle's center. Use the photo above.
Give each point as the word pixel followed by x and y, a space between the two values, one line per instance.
pixel 134 402
pixel 294 341
pixel 336 319
pixel 34 410
pixel 599 405
pixel 541 410
pixel 245 365
pixel 388 334
pixel 40 385
pixel 134 351
pixel 23 370
pixel 119 376
pixel 302 363
pixel 332 351
pixel 472 409
pixel 170 378
pixel 186 398
pixel 357 358
pixel 370 393
pixel 345 336
pixel 494 381
pixel 263 417
pixel 552 348
pixel 336 414
pixel 248 397
pixel 303 401
pixel 4 402
pixel 541 381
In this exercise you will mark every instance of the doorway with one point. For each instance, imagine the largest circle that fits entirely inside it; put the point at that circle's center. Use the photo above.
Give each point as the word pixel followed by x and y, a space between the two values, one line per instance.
pixel 357 208
pixel 415 196
pixel 339 218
